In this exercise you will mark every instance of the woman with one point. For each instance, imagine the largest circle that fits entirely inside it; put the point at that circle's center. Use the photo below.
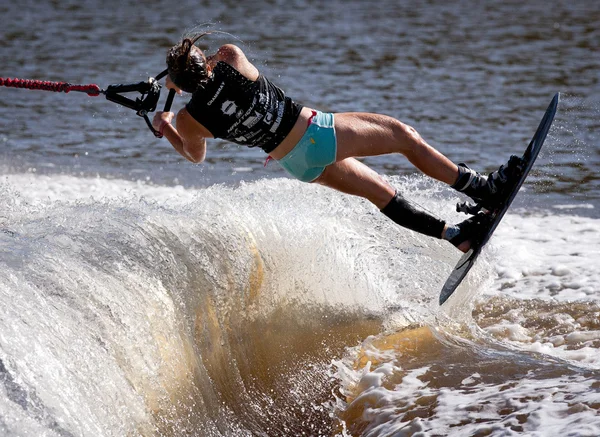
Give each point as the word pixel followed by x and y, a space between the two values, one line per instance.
pixel 233 101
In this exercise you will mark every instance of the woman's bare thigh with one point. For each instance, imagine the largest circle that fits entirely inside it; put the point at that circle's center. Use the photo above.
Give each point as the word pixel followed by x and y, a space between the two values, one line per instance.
pixel 364 134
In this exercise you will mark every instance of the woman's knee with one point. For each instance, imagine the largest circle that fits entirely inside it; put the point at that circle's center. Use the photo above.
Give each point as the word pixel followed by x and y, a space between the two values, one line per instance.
pixel 406 136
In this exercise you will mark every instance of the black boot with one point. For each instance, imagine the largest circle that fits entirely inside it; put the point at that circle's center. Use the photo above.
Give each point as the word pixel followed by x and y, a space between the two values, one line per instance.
pixel 411 217
pixel 486 191
pixel 472 229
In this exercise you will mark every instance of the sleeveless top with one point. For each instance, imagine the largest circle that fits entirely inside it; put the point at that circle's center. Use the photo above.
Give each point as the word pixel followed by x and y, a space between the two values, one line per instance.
pixel 250 113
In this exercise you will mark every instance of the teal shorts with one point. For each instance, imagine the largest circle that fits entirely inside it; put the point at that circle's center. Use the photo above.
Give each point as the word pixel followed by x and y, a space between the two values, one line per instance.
pixel 315 150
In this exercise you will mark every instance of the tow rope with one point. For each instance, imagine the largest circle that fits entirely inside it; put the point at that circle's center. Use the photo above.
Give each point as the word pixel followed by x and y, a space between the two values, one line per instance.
pixel 149 91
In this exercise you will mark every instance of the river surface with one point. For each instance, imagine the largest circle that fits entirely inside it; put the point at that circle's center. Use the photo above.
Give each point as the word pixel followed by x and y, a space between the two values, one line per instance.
pixel 142 295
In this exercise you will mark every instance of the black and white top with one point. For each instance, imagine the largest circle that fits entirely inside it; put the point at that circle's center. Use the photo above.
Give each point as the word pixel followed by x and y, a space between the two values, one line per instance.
pixel 250 113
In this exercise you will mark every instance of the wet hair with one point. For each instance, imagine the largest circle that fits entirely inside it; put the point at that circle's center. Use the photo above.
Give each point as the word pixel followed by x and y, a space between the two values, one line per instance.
pixel 186 64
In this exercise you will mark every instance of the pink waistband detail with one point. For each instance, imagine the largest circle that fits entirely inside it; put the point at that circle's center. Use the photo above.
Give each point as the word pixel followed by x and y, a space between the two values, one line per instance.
pixel 313 115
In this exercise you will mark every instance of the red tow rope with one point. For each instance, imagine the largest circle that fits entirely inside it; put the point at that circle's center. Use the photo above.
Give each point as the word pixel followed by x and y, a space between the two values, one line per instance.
pixel 65 87
pixel 149 93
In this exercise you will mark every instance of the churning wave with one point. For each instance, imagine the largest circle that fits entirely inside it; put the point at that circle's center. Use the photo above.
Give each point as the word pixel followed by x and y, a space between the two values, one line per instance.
pixel 132 309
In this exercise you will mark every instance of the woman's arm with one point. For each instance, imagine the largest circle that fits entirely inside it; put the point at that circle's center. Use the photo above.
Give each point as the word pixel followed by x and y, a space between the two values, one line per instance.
pixel 186 138
pixel 189 138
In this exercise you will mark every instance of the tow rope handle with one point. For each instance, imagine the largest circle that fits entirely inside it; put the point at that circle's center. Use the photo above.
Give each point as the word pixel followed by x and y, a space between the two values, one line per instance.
pixel 149 90
pixel 150 93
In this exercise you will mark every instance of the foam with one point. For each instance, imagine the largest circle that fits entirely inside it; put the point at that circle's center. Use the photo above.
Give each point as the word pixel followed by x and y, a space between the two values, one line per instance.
pixel 146 281
pixel 563 330
pixel 46 189
pixel 383 398
pixel 531 255
pixel 279 245
pixel 547 256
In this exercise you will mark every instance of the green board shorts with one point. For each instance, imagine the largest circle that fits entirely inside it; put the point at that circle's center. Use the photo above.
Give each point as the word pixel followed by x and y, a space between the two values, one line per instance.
pixel 316 149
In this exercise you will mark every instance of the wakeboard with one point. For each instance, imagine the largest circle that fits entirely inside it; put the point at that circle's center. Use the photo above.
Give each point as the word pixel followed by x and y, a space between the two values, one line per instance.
pixel 495 216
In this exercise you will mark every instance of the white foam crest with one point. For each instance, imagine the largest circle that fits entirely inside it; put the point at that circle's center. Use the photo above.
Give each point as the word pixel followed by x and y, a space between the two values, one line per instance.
pixel 388 400
pixel 267 245
pixel 120 272
pixel 547 256
pixel 544 255
pixel 546 287
pixel 45 189
pixel 66 360
pixel 564 330
pixel 322 225
pixel 578 347
pixel 364 253
pixel 551 407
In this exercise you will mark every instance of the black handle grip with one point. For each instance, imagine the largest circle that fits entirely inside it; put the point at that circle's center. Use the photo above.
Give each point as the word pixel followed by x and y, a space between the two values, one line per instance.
pixel 167 108
pixel 169 101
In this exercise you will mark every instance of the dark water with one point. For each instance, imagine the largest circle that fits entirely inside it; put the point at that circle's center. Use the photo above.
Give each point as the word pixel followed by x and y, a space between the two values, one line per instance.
pixel 473 79
pixel 143 295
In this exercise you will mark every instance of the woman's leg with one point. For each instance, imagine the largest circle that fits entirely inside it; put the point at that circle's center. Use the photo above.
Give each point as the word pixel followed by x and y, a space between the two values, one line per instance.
pixel 362 134
pixel 351 176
